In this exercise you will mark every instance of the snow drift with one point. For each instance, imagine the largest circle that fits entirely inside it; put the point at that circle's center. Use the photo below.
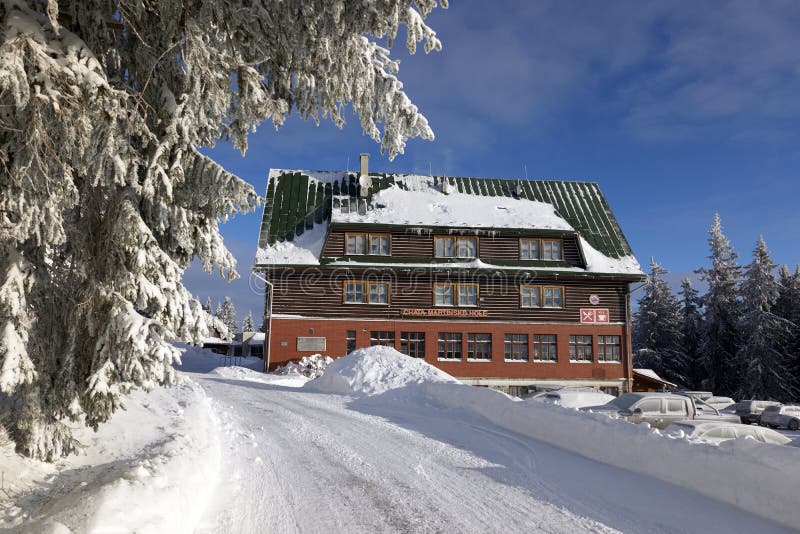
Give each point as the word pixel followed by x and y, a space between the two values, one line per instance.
pixel 376 370
pixel 744 473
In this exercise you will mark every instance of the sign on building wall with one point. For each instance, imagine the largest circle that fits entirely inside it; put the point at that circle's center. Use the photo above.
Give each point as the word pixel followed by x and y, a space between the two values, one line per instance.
pixel 311 344
pixel 594 315
pixel 447 312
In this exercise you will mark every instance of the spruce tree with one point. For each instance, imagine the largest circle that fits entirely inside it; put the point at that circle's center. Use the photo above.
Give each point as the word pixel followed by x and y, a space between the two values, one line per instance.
pixel 720 335
pixel 788 307
pixel 691 327
pixel 247 323
pixel 226 312
pixel 106 196
pixel 764 356
pixel 658 339
pixel 207 305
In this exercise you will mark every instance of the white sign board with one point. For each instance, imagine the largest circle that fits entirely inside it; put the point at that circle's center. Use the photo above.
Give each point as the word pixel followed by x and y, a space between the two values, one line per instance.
pixel 311 344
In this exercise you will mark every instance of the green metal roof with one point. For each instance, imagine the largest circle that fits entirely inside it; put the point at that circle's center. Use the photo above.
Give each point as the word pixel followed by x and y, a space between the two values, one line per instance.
pixel 296 201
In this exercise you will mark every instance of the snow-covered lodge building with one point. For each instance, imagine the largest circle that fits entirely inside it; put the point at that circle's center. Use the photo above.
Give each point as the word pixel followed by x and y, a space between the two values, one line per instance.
pixel 504 283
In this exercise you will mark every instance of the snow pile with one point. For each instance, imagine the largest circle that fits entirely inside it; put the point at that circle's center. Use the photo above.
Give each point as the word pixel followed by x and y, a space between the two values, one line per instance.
pixel 429 207
pixel 309 366
pixel 376 370
pixel 744 473
pixel 132 475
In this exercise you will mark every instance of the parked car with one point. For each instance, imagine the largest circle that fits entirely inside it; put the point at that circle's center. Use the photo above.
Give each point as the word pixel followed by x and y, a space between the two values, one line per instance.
pixel 659 409
pixel 719 431
pixel 781 417
pixel 719 403
pixel 574 397
pixel 750 410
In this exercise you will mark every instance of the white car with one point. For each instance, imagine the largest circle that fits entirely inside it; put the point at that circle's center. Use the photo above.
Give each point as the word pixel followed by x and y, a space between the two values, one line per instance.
pixel 577 397
pixel 717 432
pixel 781 417
pixel 720 403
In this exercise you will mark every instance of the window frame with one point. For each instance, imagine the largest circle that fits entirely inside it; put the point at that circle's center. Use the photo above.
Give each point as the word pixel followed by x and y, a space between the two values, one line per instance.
pixel 455 239
pixel 538 247
pixel 368 293
pixel 602 346
pixel 516 343
pixel 447 343
pixel 573 343
pixel 367 243
pixel 365 297
pixel 415 339
pixel 538 289
pixel 540 344
pixel 473 343
pixel 379 234
pixel 543 298
pixel 560 249
pixel 456 292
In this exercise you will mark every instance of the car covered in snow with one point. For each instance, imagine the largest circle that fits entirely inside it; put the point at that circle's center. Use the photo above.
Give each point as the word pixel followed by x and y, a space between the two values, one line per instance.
pixel 750 410
pixel 574 397
pixel 719 431
pixel 781 417
pixel 659 409
pixel 718 403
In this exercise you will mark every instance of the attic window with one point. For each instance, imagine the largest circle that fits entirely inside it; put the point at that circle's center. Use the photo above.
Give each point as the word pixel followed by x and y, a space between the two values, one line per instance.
pixel 456 247
pixel 540 249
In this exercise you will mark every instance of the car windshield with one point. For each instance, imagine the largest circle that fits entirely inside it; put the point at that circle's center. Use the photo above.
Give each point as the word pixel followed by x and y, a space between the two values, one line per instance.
pixel 772 409
pixel 625 402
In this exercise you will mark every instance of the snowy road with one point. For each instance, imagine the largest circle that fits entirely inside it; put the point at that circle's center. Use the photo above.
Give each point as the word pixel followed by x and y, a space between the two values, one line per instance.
pixel 298 461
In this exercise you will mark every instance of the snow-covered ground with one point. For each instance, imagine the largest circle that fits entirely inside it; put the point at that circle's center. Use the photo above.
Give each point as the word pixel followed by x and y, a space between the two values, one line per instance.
pixel 378 444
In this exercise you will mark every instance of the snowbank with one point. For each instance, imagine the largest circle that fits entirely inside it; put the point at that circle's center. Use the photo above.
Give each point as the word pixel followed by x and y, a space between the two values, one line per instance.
pixel 133 476
pixel 376 370
pixel 755 477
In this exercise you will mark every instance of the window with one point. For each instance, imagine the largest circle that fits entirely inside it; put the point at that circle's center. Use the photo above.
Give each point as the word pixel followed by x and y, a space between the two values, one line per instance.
pixel 529 296
pixel 356 243
pixel 379 244
pixel 650 406
pixel 379 292
pixel 445 294
pixel 479 346
pixel 528 249
pixel 413 344
pixel 351 341
pixel 551 249
pixel 608 348
pixel 449 346
pixel 676 406
pixel 375 244
pixel 381 338
pixel 580 348
pixel 467 294
pixel 553 297
pixel 516 347
pixel 354 292
pixel 545 348
pixel 456 247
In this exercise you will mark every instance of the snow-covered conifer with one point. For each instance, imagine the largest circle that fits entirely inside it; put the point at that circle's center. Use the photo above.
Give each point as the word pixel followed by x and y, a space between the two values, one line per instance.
pixel 765 354
pixel 720 335
pixel 657 338
pixel 691 325
pixel 207 305
pixel 226 312
pixel 106 198
pixel 247 323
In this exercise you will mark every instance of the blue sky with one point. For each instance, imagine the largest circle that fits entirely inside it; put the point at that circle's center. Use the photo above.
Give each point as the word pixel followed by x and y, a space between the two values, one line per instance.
pixel 678 109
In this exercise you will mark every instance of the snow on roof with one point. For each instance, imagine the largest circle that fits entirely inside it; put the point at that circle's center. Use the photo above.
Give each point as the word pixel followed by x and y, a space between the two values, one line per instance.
pixel 301 205
pixel 427 206
pixel 649 373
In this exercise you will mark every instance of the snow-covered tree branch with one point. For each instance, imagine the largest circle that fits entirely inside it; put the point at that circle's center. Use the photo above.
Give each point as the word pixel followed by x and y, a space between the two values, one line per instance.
pixel 105 197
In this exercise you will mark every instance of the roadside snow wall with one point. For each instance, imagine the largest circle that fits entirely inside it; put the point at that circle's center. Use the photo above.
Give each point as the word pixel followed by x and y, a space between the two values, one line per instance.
pixel 752 476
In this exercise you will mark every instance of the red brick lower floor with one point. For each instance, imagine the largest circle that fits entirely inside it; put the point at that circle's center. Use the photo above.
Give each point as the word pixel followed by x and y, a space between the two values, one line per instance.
pixel 294 338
